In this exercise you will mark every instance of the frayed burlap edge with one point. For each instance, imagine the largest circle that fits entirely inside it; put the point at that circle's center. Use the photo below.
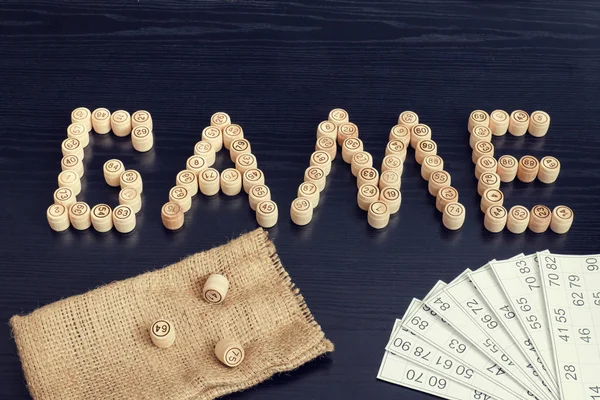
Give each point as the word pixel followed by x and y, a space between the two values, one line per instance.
pixel 324 346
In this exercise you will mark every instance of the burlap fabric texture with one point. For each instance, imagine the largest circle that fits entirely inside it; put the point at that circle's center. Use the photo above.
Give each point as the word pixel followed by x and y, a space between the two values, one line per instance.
pixel 97 346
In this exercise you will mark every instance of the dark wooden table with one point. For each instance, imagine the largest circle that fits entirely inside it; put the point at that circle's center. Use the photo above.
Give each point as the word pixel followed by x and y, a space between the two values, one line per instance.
pixel 278 67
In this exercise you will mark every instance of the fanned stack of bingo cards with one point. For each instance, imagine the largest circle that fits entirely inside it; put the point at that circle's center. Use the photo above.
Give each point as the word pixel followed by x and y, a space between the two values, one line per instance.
pixel 523 328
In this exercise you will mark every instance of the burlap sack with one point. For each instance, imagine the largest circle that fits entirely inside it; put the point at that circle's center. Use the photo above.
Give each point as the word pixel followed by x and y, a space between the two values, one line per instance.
pixel 96 345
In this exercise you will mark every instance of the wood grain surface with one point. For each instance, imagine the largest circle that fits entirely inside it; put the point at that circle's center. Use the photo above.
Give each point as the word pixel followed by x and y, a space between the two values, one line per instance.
pixel 278 68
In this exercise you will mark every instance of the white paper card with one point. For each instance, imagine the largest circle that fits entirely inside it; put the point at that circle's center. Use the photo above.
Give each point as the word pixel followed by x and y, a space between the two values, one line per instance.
pixel 489 288
pixel 428 326
pixel 572 294
pixel 397 370
pixel 409 346
pixel 443 304
pixel 520 281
